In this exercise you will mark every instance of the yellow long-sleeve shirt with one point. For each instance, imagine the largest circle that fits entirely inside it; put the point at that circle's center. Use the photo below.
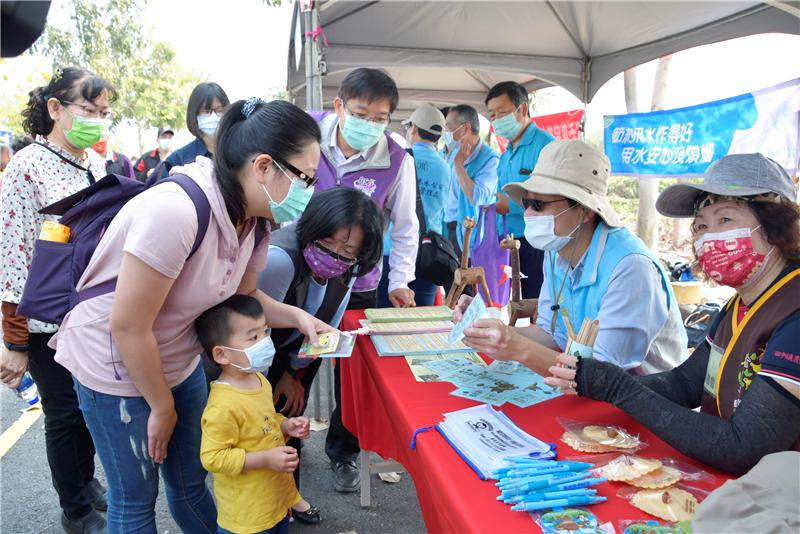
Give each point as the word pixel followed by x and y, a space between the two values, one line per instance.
pixel 235 422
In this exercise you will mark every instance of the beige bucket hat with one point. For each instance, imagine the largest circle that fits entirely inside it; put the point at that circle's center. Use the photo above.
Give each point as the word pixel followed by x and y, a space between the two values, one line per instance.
pixel 574 170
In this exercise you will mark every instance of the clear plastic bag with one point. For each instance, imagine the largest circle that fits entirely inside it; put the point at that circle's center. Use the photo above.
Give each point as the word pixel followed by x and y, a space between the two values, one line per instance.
pixel 675 503
pixel 648 526
pixel 598 437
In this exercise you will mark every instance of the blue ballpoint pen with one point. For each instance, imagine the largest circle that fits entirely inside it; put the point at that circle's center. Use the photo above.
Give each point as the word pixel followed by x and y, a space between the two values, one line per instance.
pixel 551 482
pixel 580 484
pixel 544 505
pixel 532 471
pixel 550 495
pixel 558 478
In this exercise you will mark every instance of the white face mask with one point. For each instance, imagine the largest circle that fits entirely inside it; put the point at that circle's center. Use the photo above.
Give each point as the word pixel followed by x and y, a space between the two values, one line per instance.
pixel 208 123
pixel 540 232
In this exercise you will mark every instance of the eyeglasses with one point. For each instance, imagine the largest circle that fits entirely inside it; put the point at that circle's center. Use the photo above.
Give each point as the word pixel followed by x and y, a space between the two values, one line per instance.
pixel 88 112
pixel 382 122
pixel 310 181
pixel 538 205
pixel 332 254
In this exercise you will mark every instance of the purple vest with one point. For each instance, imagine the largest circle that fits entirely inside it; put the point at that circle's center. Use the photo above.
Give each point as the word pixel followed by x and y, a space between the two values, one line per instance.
pixel 374 182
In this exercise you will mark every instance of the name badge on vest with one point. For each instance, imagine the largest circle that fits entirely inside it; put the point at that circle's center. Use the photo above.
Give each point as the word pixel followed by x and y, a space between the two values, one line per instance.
pixel 525 172
pixel 712 371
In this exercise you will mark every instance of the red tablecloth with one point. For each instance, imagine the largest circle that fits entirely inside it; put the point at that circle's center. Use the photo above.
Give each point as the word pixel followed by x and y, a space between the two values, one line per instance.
pixel 383 405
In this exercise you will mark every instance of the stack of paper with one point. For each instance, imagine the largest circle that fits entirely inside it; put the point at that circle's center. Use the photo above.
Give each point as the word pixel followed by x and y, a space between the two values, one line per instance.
pixel 407 327
pixel 497 384
pixel 407 345
pixel 484 437
pixel 423 313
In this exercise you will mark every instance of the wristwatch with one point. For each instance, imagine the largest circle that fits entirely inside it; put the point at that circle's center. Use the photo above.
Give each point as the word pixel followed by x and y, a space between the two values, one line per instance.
pixel 15 347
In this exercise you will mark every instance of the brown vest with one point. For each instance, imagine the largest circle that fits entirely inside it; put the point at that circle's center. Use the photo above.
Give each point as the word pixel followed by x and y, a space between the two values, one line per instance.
pixel 738 346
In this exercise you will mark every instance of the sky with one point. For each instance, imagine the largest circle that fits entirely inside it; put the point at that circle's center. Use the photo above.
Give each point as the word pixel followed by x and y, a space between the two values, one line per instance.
pixel 243 46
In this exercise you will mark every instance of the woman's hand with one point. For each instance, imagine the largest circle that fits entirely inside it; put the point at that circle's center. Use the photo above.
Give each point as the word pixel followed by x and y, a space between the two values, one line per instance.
pixel 160 425
pixel 494 338
pixel 311 326
pixel 461 306
pixel 13 365
pixel 293 390
pixel 563 374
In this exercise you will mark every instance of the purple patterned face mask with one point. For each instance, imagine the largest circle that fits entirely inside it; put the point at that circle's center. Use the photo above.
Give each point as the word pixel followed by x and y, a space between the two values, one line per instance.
pixel 325 263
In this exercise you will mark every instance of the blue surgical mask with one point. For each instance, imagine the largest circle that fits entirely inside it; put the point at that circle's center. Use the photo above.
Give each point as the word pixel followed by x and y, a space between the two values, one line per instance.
pixel 208 123
pixel 291 207
pixel 540 232
pixel 361 134
pixel 259 355
pixel 507 126
pixel 447 137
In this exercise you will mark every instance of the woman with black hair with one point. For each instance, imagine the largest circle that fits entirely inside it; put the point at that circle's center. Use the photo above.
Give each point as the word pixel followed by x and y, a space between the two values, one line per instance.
pixel 313 265
pixel 134 352
pixel 67 116
pixel 206 106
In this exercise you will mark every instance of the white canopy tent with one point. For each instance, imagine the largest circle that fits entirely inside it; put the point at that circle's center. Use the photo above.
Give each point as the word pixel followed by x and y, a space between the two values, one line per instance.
pixel 453 52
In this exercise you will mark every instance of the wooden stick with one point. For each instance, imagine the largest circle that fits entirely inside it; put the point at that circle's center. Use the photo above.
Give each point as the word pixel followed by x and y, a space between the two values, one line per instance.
pixel 583 332
pixel 595 331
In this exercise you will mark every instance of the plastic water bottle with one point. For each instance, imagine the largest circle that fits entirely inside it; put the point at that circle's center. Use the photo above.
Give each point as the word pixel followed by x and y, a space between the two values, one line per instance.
pixel 27 390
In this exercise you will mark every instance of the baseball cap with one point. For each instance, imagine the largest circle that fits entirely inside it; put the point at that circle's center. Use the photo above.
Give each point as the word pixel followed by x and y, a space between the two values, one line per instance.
pixel 165 129
pixel 572 169
pixel 428 118
pixel 735 175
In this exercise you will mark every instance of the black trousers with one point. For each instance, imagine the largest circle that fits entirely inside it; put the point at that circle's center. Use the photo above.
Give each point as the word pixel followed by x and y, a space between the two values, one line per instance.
pixel 531 262
pixel 340 444
pixel 70 449
pixel 307 375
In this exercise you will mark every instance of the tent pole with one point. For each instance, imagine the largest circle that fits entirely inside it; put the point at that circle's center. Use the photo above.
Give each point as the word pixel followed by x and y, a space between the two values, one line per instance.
pixel 311 53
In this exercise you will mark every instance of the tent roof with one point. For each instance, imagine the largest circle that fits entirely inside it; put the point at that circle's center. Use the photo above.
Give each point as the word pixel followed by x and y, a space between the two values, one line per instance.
pixel 452 52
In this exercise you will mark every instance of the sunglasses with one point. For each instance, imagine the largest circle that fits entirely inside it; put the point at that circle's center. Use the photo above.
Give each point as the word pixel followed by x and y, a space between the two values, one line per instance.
pixel 538 205
pixel 310 181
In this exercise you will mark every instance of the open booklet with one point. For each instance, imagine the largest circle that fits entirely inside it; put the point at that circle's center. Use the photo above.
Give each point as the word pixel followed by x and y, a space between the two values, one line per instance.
pixel 483 437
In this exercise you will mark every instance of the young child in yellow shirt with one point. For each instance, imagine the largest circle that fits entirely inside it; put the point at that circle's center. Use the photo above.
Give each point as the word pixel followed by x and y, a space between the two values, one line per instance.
pixel 244 439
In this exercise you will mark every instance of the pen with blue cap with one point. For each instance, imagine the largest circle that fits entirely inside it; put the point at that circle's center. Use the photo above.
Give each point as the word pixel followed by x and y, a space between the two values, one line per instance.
pixel 527 471
pixel 585 483
pixel 550 495
pixel 557 503
pixel 546 482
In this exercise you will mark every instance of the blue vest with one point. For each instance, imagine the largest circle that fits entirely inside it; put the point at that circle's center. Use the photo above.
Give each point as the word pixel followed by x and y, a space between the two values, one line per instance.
pixel 465 207
pixel 585 298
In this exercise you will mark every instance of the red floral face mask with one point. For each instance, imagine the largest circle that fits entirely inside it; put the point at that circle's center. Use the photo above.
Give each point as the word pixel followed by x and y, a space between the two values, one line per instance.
pixel 729 257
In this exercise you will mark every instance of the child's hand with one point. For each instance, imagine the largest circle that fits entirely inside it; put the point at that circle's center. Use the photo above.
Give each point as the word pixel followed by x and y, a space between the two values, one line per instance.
pixel 283 459
pixel 297 427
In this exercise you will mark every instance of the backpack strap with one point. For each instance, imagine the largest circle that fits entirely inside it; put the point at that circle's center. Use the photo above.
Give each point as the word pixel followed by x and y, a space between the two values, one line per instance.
pixel 201 205
pixel 203 209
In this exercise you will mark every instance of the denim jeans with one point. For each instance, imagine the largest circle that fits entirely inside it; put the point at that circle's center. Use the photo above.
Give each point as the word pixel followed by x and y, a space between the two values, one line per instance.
pixel 281 528
pixel 119 429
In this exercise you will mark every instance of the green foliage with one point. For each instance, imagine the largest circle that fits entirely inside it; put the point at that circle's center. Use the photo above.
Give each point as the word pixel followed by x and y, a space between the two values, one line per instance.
pixel 107 38
pixel 14 95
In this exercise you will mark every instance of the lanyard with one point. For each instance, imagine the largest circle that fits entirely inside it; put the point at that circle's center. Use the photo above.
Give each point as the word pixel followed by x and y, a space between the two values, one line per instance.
pixel 89 174
pixel 555 306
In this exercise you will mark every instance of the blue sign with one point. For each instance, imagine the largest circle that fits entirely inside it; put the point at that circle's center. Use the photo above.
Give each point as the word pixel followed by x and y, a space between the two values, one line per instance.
pixel 686 141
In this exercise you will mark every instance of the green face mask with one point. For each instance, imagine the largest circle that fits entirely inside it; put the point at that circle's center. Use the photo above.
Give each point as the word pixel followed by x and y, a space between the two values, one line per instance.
pixel 85 132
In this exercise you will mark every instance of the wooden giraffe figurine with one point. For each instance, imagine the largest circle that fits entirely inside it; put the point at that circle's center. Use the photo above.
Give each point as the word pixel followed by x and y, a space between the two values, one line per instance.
pixel 518 308
pixel 466 275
